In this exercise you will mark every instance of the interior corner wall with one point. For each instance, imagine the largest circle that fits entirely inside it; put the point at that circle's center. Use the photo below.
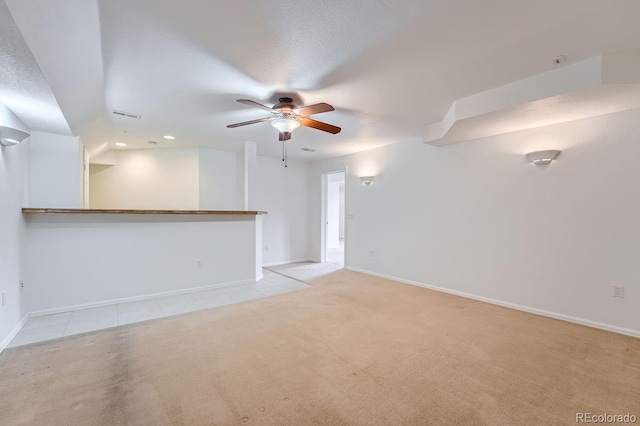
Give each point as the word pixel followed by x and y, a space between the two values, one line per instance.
pixel 282 192
pixel 217 180
pixel 477 218
pixel 147 179
pixel 14 184
pixel 56 171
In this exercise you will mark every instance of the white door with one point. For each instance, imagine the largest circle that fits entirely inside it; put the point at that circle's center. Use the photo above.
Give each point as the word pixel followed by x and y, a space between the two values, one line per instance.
pixel 333 215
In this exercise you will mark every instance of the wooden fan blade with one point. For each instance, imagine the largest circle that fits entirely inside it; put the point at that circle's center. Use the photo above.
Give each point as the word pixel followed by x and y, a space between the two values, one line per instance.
pixel 284 136
pixel 313 109
pixel 251 103
pixel 244 123
pixel 320 125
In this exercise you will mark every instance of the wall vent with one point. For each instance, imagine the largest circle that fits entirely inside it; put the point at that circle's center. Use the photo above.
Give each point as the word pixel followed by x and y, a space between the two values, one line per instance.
pixel 126 114
pixel 308 149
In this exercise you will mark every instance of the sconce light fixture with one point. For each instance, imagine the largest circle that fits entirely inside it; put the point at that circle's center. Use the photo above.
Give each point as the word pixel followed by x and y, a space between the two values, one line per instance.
pixel 9 141
pixel 540 158
pixel 12 130
pixel 366 180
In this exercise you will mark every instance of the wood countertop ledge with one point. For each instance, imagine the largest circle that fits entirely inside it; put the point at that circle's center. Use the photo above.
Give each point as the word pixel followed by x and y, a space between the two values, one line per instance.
pixel 156 212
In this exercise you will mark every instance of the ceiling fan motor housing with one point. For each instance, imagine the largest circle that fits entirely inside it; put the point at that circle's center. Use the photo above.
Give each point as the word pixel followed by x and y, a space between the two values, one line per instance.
pixel 285 105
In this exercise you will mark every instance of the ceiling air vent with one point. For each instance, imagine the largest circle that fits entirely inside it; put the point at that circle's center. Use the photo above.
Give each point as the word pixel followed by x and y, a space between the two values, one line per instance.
pixel 126 114
pixel 308 149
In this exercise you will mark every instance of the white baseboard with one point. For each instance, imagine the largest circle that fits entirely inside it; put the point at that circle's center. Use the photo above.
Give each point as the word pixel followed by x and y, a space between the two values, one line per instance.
pixel 134 298
pixel 286 262
pixel 542 312
pixel 5 342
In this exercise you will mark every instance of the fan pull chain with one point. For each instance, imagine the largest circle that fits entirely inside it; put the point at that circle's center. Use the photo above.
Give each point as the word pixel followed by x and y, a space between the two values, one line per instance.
pixel 286 156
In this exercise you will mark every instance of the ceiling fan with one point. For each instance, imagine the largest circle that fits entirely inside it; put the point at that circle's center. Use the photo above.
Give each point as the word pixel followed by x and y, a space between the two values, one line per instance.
pixel 287 117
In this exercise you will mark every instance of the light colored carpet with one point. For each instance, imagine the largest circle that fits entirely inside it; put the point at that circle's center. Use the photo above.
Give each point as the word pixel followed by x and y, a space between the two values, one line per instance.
pixel 353 350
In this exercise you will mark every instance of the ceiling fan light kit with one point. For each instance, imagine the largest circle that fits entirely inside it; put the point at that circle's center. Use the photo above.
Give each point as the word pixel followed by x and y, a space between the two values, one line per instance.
pixel 287 117
pixel 285 125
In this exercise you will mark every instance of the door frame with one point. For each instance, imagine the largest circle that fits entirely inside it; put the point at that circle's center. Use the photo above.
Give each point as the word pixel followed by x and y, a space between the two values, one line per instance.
pixel 324 178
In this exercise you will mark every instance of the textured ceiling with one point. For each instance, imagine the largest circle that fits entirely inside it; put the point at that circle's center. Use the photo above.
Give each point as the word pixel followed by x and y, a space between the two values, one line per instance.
pixel 389 67
pixel 22 86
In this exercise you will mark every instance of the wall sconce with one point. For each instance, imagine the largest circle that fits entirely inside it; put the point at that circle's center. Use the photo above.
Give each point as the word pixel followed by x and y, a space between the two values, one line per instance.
pixel 366 180
pixel 541 158
pixel 11 141
pixel 12 130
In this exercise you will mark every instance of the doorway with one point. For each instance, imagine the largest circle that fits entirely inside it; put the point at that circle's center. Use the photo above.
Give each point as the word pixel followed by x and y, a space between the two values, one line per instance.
pixel 334 218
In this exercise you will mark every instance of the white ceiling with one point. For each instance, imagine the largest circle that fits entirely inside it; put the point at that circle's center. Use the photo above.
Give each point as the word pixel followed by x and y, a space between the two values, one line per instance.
pixel 390 67
pixel 600 85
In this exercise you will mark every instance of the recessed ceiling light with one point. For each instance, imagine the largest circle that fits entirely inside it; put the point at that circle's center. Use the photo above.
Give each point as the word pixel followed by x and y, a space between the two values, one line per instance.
pixel 121 144
pixel 169 137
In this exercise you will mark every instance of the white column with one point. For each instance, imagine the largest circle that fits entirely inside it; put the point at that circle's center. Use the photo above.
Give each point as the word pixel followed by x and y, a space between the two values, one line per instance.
pixel 258 247
pixel 250 188
pixel 250 171
pixel 56 170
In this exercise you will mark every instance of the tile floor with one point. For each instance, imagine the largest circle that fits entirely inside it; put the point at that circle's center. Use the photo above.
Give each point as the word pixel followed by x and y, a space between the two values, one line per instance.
pixel 306 271
pixel 53 326
pixel 336 255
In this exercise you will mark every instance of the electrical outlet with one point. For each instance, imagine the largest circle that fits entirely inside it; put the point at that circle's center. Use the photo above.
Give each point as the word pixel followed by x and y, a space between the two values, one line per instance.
pixel 266 247
pixel 618 291
pixel 21 283
pixel 199 263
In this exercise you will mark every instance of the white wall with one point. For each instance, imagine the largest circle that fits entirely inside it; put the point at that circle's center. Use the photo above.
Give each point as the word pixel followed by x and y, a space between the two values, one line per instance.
pixel 56 171
pixel 282 192
pixel 476 217
pixel 88 259
pixel 217 180
pixel 201 178
pixel 147 179
pixel 178 178
pixel 14 180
